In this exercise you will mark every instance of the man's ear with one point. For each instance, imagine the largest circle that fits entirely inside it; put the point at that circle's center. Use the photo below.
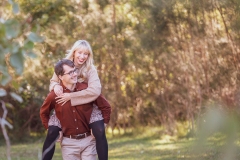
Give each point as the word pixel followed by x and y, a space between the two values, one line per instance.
pixel 60 77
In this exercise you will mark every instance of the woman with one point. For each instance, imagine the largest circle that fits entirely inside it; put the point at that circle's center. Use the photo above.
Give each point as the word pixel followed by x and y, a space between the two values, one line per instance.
pixel 82 56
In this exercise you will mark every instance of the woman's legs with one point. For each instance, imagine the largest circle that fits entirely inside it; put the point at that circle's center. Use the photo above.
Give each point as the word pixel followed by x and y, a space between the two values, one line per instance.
pixel 98 131
pixel 49 143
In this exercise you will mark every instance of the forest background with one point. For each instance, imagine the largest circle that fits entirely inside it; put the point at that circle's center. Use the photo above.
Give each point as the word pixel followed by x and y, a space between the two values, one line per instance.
pixel 160 61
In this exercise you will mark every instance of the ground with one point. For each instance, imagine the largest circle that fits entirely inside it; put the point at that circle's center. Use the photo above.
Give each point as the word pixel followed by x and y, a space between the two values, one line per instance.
pixel 143 144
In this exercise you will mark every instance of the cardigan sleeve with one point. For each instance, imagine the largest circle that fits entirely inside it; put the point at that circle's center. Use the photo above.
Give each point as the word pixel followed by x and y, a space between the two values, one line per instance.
pixel 54 81
pixel 91 93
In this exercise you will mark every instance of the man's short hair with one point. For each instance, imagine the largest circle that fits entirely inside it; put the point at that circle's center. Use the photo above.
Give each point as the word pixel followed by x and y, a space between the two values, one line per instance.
pixel 58 68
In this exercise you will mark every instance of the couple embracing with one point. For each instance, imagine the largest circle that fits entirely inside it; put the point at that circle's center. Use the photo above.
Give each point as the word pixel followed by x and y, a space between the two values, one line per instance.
pixel 75 96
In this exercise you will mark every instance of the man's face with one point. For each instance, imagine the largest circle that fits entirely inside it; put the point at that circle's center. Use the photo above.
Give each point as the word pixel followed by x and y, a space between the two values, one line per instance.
pixel 70 75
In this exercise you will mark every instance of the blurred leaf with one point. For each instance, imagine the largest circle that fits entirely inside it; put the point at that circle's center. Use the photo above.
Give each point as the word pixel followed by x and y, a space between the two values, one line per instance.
pixel 15 84
pixel 2 92
pixel 5 79
pixel 34 37
pixel 16 97
pixel 12 28
pixel 9 105
pixel 4 51
pixel 15 8
pixel 2 56
pixel 10 1
pixel 17 61
pixel 30 54
pixel 3 68
pixel 2 30
pixel 28 45
pixel 15 47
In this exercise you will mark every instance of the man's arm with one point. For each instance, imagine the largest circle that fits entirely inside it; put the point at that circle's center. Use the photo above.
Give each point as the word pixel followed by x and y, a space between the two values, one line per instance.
pixel 105 108
pixel 46 108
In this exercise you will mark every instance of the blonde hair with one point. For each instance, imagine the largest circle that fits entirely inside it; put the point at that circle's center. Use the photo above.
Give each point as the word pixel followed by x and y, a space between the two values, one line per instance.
pixel 84 45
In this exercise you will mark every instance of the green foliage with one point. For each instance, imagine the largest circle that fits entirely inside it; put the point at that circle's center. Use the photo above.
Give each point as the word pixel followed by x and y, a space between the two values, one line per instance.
pixel 13 50
pixel 12 28
pixel 17 42
pixel 33 37
pixel 17 61
pixel 219 125
pixel 159 61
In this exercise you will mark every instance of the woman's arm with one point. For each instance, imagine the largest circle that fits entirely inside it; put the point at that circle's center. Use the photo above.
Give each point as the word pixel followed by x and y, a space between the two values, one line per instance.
pixel 91 93
pixel 55 85
pixel 53 81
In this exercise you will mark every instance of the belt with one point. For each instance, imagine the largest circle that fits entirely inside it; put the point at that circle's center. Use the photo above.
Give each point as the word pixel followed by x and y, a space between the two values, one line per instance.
pixel 78 136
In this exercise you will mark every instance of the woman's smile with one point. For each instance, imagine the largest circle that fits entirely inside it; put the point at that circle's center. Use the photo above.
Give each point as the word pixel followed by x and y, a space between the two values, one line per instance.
pixel 80 56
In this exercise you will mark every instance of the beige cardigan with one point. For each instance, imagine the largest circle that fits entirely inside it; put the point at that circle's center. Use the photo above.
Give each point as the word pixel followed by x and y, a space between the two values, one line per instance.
pixel 85 96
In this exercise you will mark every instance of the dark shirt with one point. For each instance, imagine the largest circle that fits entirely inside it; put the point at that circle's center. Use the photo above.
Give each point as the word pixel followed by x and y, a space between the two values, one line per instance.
pixel 74 119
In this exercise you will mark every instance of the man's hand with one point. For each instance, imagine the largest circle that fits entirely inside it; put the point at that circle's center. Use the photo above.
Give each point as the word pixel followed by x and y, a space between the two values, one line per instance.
pixel 58 90
pixel 63 98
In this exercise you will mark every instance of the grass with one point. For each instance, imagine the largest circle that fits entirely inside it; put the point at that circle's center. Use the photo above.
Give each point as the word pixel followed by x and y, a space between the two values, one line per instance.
pixel 140 144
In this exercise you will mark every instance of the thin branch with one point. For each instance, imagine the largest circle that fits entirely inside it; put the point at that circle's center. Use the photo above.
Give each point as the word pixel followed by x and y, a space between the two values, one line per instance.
pixel 4 122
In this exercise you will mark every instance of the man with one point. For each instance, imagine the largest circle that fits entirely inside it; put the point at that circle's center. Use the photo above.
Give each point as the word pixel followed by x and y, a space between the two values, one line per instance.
pixel 77 141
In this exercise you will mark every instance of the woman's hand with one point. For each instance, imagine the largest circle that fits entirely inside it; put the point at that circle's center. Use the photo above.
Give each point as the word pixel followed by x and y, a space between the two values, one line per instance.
pixel 63 98
pixel 58 90
pixel 60 138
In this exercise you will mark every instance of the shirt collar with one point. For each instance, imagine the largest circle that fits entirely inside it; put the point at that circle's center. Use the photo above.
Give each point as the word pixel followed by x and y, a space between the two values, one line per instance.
pixel 65 89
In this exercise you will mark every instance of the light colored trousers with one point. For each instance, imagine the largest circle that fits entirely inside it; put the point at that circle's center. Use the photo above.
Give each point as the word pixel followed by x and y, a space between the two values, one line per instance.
pixel 81 149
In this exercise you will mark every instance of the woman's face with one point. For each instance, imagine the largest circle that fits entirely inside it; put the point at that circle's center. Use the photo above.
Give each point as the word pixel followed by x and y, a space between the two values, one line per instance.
pixel 80 56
